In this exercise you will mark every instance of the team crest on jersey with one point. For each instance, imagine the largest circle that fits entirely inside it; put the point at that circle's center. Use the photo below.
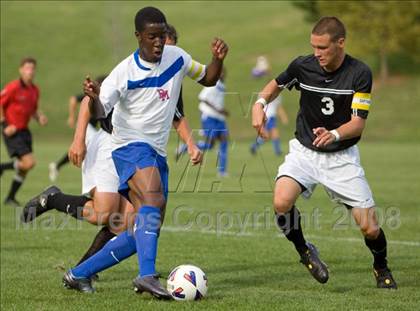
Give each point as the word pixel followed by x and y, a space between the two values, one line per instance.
pixel 163 94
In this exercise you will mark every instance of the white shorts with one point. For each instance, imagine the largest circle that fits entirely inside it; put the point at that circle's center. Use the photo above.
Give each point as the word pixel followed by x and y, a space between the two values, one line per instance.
pixel 90 132
pixel 340 173
pixel 98 169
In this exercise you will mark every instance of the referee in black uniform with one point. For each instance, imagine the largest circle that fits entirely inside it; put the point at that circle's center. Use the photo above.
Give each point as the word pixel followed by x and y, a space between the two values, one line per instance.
pixel 334 104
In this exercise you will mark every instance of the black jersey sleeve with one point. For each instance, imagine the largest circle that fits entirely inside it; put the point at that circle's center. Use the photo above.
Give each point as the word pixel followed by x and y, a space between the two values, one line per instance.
pixel 179 110
pixel 362 97
pixel 290 76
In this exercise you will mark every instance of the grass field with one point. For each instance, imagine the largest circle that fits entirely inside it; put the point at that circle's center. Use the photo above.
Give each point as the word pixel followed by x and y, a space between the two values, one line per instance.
pixel 223 226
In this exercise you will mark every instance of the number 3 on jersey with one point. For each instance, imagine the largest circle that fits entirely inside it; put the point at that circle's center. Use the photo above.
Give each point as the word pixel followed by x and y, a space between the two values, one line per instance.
pixel 329 106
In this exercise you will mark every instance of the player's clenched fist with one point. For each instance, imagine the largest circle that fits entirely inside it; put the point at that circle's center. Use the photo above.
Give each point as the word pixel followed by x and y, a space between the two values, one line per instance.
pixel 219 48
pixel 77 152
pixel 91 88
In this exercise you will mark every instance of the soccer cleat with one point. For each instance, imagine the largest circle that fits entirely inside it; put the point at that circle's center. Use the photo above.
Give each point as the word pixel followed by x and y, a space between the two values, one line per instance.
pixel 151 284
pixel 384 279
pixel 12 202
pixel 38 204
pixel 314 264
pixel 52 171
pixel 83 285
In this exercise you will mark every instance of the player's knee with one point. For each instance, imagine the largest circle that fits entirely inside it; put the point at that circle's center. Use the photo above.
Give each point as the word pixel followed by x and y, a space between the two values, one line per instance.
pixel 157 200
pixel 370 231
pixel 282 204
pixel 27 164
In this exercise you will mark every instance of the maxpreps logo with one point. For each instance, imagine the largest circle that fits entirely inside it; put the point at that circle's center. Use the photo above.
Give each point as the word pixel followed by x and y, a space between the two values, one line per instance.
pixel 163 94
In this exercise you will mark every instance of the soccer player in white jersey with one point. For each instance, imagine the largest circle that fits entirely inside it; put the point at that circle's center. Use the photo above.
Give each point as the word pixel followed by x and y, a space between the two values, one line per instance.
pixel 274 109
pixel 143 90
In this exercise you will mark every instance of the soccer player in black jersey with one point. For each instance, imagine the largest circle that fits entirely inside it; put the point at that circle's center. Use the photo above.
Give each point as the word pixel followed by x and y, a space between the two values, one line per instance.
pixel 334 104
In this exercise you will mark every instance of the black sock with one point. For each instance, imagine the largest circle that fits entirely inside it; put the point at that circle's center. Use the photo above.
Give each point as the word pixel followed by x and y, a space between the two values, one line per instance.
pixel 16 183
pixel 64 160
pixel 68 204
pixel 289 223
pixel 101 238
pixel 378 249
pixel 7 166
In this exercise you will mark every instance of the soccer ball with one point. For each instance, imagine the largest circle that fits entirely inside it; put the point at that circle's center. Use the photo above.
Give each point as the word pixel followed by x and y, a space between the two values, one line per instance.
pixel 187 282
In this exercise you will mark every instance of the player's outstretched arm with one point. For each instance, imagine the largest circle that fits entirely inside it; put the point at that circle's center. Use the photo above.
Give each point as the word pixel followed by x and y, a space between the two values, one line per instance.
pixel 77 150
pixel 269 92
pixel 219 50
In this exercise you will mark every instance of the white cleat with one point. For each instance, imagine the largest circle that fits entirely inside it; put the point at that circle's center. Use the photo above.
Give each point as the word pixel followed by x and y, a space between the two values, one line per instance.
pixel 53 172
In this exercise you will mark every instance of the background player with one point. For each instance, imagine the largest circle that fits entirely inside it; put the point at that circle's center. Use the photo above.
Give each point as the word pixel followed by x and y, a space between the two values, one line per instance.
pixel 140 154
pixel 213 122
pixel 19 103
pixel 334 104
pixel 54 167
pixel 274 109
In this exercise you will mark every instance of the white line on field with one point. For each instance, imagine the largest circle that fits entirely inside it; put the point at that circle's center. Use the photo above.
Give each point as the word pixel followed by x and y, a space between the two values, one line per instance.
pixel 251 234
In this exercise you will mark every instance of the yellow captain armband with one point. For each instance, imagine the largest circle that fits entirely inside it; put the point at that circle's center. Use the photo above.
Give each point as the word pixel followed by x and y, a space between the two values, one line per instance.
pixel 361 101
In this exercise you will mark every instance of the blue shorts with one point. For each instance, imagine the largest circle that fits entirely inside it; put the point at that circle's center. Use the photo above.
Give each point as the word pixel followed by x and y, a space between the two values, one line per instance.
pixel 271 123
pixel 129 158
pixel 213 128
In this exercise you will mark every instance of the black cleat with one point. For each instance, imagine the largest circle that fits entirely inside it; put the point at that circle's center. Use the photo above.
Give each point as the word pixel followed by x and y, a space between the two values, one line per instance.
pixel 38 205
pixel 11 202
pixel 384 279
pixel 82 285
pixel 151 285
pixel 314 264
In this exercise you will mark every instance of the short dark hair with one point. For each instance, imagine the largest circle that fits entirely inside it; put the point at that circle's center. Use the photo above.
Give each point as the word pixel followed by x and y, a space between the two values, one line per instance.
pixel 171 33
pixel 27 60
pixel 148 15
pixel 330 25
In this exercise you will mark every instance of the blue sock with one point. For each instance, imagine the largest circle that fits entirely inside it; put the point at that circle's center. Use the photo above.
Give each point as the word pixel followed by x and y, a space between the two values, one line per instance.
pixel 223 150
pixel 276 146
pixel 257 143
pixel 146 231
pixel 116 250
pixel 203 145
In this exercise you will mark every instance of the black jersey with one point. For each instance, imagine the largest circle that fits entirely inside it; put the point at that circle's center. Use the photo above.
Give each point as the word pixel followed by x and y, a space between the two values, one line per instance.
pixel 179 111
pixel 328 99
pixel 92 121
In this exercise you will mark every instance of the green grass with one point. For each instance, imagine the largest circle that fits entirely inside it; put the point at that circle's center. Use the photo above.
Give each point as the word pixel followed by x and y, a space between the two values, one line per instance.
pixel 230 233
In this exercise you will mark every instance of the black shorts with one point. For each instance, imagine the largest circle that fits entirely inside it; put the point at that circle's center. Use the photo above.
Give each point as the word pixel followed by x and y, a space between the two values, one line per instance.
pixel 19 144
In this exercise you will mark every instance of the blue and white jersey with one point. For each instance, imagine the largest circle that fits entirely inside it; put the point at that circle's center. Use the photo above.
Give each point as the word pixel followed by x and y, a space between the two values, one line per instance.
pixel 145 96
pixel 272 107
pixel 215 95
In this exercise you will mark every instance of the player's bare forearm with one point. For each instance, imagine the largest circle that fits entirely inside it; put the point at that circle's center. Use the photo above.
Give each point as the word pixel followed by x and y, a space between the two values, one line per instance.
pixel 213 71
pixel 219 50
pixel 83 119
pixel 77 150
pixel 72 111
pixel 270 91
pixel 183 129
pixel 353 128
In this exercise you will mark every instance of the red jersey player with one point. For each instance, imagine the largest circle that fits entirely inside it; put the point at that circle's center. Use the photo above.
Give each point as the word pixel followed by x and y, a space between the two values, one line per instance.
pixel 19 102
